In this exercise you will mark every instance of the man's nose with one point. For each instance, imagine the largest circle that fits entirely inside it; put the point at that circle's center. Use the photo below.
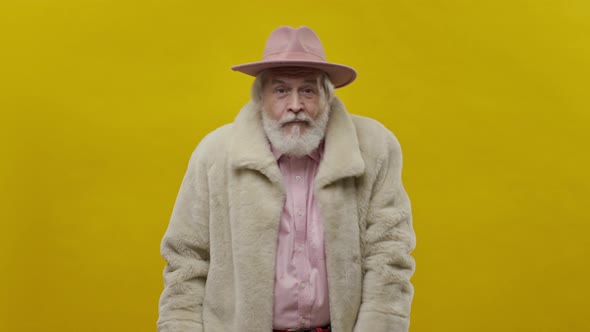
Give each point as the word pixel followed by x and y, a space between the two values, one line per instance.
pixel 295 103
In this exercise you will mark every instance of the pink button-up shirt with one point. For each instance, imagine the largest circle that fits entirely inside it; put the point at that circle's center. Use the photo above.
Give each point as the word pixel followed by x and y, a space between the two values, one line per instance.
pixel 301 285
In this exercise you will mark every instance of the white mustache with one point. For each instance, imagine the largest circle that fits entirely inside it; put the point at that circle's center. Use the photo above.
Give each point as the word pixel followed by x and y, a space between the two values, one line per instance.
pixel 295 117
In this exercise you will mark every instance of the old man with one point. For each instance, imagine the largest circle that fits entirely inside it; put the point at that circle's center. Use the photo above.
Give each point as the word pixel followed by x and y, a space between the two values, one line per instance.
pixel 293 217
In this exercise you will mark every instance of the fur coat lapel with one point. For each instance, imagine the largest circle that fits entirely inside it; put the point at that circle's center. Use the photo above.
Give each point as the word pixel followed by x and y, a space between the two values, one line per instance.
pixel 249 147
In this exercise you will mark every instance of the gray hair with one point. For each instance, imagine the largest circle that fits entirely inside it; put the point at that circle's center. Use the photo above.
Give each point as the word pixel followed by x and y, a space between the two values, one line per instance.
pixel 325 86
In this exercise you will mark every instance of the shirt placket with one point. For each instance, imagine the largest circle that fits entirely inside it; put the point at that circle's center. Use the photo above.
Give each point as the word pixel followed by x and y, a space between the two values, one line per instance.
pixel 300 208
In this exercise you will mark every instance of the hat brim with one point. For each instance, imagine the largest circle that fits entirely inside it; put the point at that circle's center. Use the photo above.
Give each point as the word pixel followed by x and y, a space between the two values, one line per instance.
pixel 340 75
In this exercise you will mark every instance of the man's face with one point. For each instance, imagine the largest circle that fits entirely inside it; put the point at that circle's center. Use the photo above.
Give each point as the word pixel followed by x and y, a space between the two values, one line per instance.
pixel 294 101
pixel 292 112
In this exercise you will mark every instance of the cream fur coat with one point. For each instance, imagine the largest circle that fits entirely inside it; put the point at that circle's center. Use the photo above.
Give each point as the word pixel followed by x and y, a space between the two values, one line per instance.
pixel 220 243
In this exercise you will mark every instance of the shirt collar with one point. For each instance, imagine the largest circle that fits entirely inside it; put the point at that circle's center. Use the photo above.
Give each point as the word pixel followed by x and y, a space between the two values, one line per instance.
pixel 316 154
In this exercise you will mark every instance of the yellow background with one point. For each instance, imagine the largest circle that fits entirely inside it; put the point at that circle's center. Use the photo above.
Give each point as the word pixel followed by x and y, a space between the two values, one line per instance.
pixel 102 103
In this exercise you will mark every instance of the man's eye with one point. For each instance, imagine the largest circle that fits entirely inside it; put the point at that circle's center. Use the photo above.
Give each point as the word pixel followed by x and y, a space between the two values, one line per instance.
pixel 308 91
pixel 281 90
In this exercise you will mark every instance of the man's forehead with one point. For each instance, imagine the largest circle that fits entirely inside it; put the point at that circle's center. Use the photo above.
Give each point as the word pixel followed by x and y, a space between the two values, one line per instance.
pixel 307 74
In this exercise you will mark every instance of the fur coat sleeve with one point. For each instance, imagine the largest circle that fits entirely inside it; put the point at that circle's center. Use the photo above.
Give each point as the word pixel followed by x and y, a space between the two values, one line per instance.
pixel 185 247
pixel 387 241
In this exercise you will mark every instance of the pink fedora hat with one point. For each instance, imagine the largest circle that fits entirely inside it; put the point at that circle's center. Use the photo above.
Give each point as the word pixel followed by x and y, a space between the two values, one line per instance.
pixel 301 47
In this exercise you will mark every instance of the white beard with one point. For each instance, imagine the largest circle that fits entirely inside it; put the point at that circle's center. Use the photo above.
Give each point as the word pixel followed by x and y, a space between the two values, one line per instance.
pixel 296 144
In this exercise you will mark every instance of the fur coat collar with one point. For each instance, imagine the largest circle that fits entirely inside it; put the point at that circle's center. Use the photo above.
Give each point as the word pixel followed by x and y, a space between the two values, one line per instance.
pixel 249 147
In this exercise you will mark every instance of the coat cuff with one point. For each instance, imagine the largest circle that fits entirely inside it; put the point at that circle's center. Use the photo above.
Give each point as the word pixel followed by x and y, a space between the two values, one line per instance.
pixel 379 322
pixel 180 326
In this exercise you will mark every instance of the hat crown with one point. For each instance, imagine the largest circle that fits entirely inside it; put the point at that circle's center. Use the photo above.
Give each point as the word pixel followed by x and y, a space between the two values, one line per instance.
pixel 285 40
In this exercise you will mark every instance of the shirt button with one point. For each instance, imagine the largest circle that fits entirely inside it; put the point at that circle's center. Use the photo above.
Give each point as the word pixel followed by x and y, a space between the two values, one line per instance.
pixel 298 178
pixel 302 285
pixel 300 213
